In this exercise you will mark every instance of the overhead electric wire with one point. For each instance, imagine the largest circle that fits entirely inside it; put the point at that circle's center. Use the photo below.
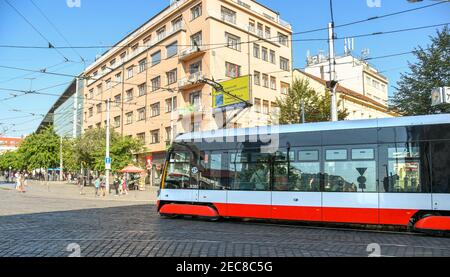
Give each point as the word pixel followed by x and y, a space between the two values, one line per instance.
pixel 58 31
pixel 50 45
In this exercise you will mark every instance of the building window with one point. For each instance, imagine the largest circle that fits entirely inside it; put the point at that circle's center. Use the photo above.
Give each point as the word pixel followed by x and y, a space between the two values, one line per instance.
pixel 123 57
pixel 171 106
pixel 264 54
pixel 195 99
pixel 284 64
pixel 117 121
pixel 168 134
pixel 272 58
pixel 256 52
pixel 228 15
pixel 196 39
pixel 284 88
pixel 104 69
pixel 257 77
pixel 274 110
pixel 141 114
pixel 251 26
pixel 130 72
pixel 195 67
pixel 91 93
pixel 268 32
pixel 283 39
pixel 108 83
pixel 129 117
pixel 118 78
pixel 112 63
pixel 98 125
pixel 99 89
pixel 99 108
pixel 171 77
pixel 233 41
pixel 155 109
pixel 232 70
pixel 129 95
pixel 142 88
pixel 265 79
pixel 91 112
pixel 177 24
pixel 265 109
pixel 257 105
pixel 196 12
pixel 172 49
pixel 141 137
pixel 147 41
pixel 142 65
pixel 154 136
pixel 273 83
pixel 161 33
pixel 134 49
pixel 156 83
pixel 156 58
pixel 260 30
pixel 117 100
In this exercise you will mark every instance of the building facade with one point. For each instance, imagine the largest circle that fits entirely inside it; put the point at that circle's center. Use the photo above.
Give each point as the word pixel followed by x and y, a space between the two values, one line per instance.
pixel 152 78
pixel 352 73
pixel 66 114
pixel 9 144
pixel 357 104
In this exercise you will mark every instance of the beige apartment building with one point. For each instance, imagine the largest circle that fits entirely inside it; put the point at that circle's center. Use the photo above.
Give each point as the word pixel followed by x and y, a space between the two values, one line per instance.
pixel 152 76
pixel 357 104
pixel 353 73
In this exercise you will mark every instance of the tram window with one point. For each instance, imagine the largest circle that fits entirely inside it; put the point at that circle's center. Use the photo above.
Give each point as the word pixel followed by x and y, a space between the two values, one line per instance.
pixel 179 172
pixel 298 176
pixel 250 175
pixel 336 154
pixel 215 174
pixel 407 168
pixel 363 154
pixel 307 156
pixel 440 155
pixel 281 156
pixel 342 175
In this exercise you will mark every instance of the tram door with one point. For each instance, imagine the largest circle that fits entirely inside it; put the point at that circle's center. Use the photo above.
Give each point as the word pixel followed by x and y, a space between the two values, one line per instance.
pixel 350 184
pixel 440 160
pixel 250 194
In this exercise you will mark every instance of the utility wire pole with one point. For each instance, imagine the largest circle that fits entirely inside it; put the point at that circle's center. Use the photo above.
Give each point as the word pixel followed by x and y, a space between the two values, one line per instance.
pixel 60 158
pixel 332 83
pixel 107 158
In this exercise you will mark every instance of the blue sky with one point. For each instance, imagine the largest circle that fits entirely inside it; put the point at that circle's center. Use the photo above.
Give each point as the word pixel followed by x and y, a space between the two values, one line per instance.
pixel 104 22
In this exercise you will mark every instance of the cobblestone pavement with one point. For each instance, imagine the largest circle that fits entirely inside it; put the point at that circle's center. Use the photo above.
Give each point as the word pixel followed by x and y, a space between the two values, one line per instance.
pixel 35 225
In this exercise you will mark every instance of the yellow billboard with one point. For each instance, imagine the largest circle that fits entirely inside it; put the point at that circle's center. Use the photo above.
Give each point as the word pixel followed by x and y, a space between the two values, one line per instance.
pixel 239 87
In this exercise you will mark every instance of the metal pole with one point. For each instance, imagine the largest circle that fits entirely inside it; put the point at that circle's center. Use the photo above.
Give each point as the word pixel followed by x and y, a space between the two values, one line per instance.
pixel 171 121
pixel 303 112
pixel 332 87
pixel 60 159
pixel 107 143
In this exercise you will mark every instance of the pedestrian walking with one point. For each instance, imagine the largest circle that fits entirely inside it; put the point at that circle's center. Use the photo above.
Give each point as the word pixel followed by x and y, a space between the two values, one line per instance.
pixel 81 183
pixel 18 180
pixel 97 186
pixel 116 184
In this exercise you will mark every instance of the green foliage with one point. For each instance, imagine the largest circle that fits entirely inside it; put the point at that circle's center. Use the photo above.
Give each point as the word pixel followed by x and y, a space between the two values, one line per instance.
pixel 11 159
pixel 317 107
pixel 41 150
pixel 90 150
pixel 432 70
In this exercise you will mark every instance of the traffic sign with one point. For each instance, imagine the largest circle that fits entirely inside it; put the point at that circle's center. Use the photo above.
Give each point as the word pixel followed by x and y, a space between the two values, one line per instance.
pixel 108 163
pixel 440 96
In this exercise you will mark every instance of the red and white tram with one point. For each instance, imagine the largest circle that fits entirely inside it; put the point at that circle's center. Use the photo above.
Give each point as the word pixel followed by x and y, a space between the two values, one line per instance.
pixel 393 171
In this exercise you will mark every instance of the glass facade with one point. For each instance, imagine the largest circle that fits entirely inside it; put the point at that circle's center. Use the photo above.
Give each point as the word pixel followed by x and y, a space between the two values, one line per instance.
pixel 68 117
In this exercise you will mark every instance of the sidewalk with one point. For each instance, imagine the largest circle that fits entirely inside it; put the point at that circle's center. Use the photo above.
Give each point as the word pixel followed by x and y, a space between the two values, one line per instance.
pixel 64 190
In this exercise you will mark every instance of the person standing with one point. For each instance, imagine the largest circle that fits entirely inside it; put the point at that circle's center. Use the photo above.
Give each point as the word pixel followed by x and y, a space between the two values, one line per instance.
pixel 116 184
pixel 103 185
pixel 124 185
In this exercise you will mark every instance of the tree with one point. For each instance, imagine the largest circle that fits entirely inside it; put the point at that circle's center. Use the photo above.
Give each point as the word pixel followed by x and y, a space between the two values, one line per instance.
pixel 90 148
pixel 40 150
pixel 317 107
pixel 432 70
pixel 11 159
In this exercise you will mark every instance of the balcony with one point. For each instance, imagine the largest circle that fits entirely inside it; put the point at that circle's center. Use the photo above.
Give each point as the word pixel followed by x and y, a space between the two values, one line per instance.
pixel 191 110
pixel 191 81
pixel 191 53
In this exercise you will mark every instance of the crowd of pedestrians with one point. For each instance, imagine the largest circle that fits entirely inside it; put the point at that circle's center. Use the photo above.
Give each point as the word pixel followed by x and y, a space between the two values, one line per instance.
pixel 119 183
